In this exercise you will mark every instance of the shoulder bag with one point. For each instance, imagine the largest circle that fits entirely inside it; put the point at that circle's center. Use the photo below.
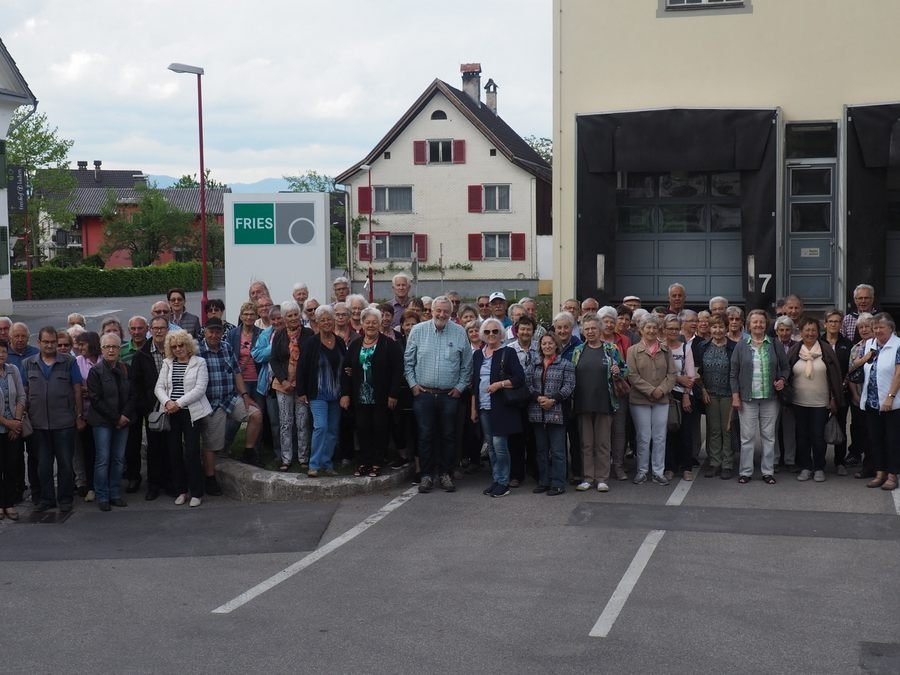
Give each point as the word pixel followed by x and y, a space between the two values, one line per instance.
pixel 517 397
pixel 157 419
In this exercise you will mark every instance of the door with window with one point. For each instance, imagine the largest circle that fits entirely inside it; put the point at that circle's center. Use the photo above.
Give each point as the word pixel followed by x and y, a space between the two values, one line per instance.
pixel 810 219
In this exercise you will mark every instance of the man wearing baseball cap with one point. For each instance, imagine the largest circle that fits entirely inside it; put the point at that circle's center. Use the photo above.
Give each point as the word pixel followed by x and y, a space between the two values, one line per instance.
pixel 498 308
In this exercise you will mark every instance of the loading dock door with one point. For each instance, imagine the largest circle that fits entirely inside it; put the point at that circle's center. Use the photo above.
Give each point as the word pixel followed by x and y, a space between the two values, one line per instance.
pixel 810 230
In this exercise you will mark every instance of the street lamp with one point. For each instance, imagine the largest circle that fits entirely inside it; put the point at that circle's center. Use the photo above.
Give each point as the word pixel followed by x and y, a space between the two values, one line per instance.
pixel 196 70
pixel 368 169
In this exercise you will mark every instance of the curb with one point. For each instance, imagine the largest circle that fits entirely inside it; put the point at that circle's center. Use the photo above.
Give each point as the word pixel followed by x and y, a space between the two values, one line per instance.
pixel 248 483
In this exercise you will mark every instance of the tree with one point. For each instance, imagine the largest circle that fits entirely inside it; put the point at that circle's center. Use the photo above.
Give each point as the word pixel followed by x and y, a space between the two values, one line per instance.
pixel 144 229
pixel 37 146
pixel 191 181
pixel 542 146
pixel 311 181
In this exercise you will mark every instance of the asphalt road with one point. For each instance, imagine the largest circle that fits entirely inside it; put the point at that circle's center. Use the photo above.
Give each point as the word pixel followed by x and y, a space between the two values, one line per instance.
pixel 791 578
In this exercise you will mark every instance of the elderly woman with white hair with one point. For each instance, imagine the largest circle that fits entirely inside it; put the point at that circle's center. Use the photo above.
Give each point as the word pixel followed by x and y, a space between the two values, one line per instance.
pixel 859 432
pixel 357 303
pixel 293 415
pixel 563 328
pixel 319 386
pixel 651 374
pixel 371 382
pixel 609 324
pixel 496 368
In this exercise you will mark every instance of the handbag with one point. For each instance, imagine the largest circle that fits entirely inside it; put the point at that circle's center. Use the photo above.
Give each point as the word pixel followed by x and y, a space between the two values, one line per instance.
pixel 621 387
pixel 27 429
pixel 517 397
pixel 674 422
pixel 834 435
pixel 157 420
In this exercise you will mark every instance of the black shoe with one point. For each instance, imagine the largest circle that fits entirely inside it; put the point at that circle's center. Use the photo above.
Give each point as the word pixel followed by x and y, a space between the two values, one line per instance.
pixel 212 487
pixel 426 484
pixel 489 489
pixel 104 506
pixel 554 491
pixel 152 493
pixel 133 486
pixel 82 491
pixel 399 463
pixel 65 508
pixel 540 489
pixel 854 460
pixel 417 478
pixel 40 507
pixel 118 502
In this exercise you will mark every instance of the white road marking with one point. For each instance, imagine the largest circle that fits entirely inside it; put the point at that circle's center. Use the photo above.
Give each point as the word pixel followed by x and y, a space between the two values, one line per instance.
pixel 679 493
pixel 626 585
pixel 316 555
pixel 896 495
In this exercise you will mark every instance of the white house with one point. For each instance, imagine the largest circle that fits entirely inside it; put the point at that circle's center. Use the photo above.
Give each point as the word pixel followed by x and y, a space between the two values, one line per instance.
pixel 453 187
pixel 14 92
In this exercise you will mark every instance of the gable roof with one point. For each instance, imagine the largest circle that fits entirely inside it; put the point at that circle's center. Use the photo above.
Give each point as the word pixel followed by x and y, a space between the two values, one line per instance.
pixel 107 178
pixel 90 201
pixel 492 126
pixel 13 86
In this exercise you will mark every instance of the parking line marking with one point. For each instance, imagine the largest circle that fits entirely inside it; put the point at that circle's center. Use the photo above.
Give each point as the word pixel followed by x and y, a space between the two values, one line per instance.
pixel 626 585
pixel 316 555
pixel 679 493
pixel 896 495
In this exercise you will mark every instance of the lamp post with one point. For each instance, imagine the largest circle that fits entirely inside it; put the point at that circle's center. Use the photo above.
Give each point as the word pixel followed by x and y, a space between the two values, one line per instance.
pixel 196 70
pixel 368 169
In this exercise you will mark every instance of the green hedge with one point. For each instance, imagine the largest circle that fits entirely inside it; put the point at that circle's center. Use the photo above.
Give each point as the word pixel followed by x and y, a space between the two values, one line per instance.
pixel 85 282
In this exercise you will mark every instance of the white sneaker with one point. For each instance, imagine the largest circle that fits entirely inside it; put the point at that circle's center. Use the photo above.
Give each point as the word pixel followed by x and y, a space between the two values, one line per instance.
pixel 602 487
pixel 583 486
pixel 196 501
pixel 180 499
pixel 90 496
pixel 819 476
pixel 805 474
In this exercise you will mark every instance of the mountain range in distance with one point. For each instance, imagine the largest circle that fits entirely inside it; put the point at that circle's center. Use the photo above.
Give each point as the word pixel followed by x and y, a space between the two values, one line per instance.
pixel 260 186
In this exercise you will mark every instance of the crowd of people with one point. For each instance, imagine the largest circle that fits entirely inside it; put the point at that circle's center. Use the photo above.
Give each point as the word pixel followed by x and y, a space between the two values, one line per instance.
pixel 447 385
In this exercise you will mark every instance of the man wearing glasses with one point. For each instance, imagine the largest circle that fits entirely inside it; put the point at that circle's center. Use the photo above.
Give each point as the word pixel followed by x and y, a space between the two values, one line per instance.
pixel 138 329
pixel 864 299
pixel 483 303
pixel 144 372
pixel 309 309
pixel 53 382
pixel 438 365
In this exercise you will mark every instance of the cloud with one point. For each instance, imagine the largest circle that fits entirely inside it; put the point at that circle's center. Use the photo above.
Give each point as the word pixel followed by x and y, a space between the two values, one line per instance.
pixel 77 66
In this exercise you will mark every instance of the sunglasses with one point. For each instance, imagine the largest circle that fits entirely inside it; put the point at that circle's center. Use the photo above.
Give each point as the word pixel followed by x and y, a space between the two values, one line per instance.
pixel 492 331
pixel 483 305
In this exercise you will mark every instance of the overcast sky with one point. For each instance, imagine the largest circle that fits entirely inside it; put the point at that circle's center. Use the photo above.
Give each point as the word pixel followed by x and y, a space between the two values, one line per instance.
pixel 289 85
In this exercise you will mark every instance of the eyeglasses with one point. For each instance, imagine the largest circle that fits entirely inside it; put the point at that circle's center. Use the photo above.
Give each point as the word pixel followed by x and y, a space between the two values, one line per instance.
pixel 483 305
pixel 179 346
pixel 111 347
pixel 159 328
pixel 492 331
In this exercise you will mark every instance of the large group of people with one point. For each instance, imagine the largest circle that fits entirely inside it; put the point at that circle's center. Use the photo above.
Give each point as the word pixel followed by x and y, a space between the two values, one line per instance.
pixel 449 386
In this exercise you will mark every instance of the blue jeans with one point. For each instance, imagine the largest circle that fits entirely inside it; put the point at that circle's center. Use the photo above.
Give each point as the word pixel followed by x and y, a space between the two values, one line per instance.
pixel 110 444
pixel 326 421
pixel 550 441
pixel 58 445
pixel 436 413
pixel 498 449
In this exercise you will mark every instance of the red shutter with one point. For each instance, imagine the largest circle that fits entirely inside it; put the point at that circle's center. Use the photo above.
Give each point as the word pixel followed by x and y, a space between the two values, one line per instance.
pixel 475 199
pixel 475 252
pixel 364 196
pixel 517 246
pixel 421 243
pixel 419 152
pixel 459 152
pixel 365 251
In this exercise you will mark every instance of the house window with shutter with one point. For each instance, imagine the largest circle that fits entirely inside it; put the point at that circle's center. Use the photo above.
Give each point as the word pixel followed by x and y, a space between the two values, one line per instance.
pixel 440 152
pixel 497 246
pixel 393 199
pixel 496 198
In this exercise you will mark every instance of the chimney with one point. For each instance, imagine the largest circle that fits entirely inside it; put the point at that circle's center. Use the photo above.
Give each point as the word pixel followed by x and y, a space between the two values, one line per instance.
pixel 471 80
pixel 97 164
pixel 82 166
pixel 490 96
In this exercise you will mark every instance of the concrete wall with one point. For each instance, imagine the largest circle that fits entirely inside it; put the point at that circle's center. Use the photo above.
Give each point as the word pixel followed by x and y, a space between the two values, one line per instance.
pixel 440 198
pixel 810 57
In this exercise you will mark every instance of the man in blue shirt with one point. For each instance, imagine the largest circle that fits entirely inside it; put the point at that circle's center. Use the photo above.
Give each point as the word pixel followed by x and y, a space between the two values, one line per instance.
pixel 438 365
pixel 53 382
pixel 230 399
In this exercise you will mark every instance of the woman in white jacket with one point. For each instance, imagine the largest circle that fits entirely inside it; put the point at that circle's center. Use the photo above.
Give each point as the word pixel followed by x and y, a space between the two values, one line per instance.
pixel 181 391
pixel 878 399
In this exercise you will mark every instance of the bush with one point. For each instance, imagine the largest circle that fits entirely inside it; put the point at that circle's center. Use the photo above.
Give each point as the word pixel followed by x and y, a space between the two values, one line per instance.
pixel 85 282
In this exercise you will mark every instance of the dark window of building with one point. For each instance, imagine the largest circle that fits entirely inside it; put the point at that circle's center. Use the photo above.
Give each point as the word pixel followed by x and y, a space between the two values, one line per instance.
pixel 438 115
pixel 810 141
pixel 387 154
pixel 440 152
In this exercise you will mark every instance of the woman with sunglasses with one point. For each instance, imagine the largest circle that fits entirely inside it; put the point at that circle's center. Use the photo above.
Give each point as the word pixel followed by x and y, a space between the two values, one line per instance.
pixel 496 368
pixel 181 390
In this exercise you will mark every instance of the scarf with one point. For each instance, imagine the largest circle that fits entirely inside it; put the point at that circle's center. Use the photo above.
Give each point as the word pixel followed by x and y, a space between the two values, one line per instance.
pixel 810 355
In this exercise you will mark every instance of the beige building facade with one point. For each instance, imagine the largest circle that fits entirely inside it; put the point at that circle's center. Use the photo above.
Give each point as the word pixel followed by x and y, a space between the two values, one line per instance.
pixel 743 148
